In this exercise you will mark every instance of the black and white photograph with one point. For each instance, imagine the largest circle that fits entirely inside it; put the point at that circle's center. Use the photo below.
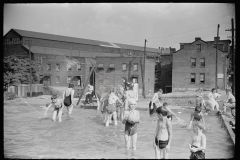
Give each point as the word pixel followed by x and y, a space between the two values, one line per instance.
pixel 119 80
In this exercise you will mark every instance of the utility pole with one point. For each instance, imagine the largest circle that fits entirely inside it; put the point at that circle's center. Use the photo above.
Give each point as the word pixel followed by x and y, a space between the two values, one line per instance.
pixel 217 58
pixel 144 56
pixel 233 57
pixel 30 61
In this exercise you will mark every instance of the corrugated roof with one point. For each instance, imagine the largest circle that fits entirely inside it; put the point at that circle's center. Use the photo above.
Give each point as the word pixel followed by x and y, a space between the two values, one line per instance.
pixel 67 52
pixel 81 40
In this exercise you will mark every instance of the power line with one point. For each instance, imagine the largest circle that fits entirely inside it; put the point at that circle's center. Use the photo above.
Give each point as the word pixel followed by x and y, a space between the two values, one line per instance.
pixel 174 34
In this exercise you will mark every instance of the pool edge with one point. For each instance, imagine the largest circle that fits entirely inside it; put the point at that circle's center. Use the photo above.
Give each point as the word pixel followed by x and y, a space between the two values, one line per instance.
pixel 228 127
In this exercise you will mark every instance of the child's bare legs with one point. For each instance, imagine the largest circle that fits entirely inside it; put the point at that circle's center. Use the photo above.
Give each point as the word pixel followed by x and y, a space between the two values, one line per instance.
pixel 60 115
pixel 127 141
pixel 164 153
pixel 157 152
pixel 105 117
pixel 70 108
pixel 115 117
pixel 54 115
pixel 109 119
pixel 134 141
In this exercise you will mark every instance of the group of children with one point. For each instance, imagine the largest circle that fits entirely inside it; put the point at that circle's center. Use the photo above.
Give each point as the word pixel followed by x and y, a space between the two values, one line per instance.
pixel 163 135
pixel 121 105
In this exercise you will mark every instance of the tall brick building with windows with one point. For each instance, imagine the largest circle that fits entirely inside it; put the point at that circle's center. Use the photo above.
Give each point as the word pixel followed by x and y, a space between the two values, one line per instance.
pixel 66 59
pixel 194 65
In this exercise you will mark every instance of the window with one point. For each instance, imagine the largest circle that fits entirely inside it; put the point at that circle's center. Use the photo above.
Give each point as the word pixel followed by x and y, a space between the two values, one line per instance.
pixel 58 79
pixel 135 67
pixel 57 67
pixel 181 46
pixel 100 66
pixel 193 62
pixel 48 67
pixel 202 62
pixel 124 67
pixel 198 47
pixel 111 66
pixel 193 77
pixel 69 68
pixel 69 78
pixel 202 78
pixel 79 67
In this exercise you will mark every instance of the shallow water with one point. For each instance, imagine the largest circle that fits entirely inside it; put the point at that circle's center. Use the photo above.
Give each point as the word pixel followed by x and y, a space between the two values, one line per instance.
pixel 83 135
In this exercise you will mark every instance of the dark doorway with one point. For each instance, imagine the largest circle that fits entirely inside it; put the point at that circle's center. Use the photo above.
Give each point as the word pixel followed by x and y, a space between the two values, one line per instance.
pixel 92 79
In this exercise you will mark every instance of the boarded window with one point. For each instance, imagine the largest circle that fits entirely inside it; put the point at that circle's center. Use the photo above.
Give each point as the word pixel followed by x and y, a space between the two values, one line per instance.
pixel 57 67
pixel 202 62
pixel 198 47
pixel 48 67
pixel 135 67
pixel 193 62
pixel 124 67
pixel 202 78
pixel 69 67
pixel 78 67
pixel 69 78
pixel 193 77
pixel 57 79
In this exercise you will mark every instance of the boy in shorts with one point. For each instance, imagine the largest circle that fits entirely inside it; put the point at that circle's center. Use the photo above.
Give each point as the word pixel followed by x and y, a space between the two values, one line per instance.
pixel 198 144
pixel 58 108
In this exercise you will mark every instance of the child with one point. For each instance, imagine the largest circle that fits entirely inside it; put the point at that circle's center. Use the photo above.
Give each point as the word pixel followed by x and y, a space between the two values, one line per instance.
pixel 170 112
pixel 196 116
pixel 131 119
pixel 111 108
pixel 198 145
pixel 163 134
pixel 58 108
pixel 120 107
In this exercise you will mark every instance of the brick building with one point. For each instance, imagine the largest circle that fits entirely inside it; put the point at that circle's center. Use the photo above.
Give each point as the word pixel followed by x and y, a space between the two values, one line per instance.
pixel 194 65
pixel 111 70
pixel 166 73
pixel 66 59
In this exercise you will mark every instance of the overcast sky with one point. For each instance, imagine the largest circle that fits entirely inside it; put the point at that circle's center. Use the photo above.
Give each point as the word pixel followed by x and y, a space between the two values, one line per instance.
pixel 162 24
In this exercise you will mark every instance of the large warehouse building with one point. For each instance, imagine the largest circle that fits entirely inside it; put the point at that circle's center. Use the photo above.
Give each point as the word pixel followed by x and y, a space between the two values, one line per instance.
pixel 66 59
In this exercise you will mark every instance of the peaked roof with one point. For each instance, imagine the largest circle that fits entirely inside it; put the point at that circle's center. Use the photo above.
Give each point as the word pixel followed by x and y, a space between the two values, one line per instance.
pixel 33 34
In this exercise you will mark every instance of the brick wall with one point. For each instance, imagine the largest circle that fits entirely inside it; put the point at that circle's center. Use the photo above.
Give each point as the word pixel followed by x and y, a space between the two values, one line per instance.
pixel 106 78
pixel 182 67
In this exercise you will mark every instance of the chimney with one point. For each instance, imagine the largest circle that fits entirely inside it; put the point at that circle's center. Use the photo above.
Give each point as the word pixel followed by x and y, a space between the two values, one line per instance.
pixel 197 38
pixel 216 38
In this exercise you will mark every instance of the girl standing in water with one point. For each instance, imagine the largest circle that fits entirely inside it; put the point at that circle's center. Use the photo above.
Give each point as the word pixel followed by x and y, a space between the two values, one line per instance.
pixel 163 134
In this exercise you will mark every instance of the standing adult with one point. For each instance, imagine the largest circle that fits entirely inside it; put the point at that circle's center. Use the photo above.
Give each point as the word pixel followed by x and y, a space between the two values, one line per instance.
pixel 124 83
pixel 135 88
pixel 213 95
pixel 230 103
pixel 68 98
pixel 130 94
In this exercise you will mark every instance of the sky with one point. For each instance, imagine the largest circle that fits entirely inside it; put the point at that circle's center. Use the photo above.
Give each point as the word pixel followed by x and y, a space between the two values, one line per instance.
pixel 161 24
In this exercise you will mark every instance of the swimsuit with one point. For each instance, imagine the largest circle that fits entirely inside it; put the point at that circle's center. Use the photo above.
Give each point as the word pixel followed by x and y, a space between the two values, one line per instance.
pixel 161 144
pixel 198 154
pixel 197 117
pixel 130 129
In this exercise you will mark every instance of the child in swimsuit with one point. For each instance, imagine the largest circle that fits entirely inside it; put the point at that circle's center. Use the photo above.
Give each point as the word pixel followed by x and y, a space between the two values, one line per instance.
pixel 163 134
pixel 198 145
pixel 196 116
pixel 130 128
pixel 58 108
